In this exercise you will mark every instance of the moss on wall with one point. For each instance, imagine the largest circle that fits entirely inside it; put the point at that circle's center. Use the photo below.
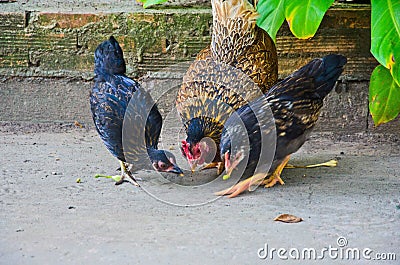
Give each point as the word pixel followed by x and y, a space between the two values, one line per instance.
pixel 62 44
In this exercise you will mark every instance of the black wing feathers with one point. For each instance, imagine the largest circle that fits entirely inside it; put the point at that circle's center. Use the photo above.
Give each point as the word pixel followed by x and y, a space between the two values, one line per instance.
pixel 111 96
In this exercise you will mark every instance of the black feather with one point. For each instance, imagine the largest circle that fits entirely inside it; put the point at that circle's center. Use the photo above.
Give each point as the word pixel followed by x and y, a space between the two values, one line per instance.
pixel 112 95
pixel 295 103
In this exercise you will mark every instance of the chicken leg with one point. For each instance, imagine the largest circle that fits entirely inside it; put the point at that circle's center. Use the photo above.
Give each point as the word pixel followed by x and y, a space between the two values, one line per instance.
pixel 255 180
pixel 276 176
pixel 126 175
pixel 218 165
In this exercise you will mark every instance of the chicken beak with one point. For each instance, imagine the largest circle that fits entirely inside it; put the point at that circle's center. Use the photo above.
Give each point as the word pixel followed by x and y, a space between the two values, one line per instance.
pixel 176 170
pixel 193 165
pixel 230 166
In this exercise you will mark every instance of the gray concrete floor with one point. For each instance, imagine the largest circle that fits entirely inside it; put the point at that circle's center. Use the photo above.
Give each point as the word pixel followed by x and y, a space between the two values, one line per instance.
pixel 48 218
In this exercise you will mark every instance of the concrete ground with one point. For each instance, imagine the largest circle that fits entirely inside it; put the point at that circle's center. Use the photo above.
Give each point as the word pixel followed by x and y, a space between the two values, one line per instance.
pixel 46 217
pixel 49 218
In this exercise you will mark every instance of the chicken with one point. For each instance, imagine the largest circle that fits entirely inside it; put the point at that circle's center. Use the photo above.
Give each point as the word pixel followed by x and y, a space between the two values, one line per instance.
pixel 295 103
pixel 239 65
pixel 112 96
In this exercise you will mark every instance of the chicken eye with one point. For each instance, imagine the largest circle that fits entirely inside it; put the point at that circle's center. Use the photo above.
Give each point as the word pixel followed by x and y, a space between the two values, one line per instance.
pixel 162 165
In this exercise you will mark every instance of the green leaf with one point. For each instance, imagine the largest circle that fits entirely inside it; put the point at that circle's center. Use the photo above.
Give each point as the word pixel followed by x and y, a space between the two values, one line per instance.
pixel 147 3
pixel 395 71
pixel 116 178
pixel 384 96
pixel 271 16
pixel 305 16
pixel 385 35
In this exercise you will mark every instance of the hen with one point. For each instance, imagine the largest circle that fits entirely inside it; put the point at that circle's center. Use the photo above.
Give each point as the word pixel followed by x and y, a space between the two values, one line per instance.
pixel 295 103
pixel 112 96
pixel 239 65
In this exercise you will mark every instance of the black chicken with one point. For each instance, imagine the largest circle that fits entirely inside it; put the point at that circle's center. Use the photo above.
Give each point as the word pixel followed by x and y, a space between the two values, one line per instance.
pixel 295 103
pixel 109 100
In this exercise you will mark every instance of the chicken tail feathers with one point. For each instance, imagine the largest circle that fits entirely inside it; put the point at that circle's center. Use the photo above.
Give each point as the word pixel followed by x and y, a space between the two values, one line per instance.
pixel 330 70
pixel 234 28
pixel 313 81
pixel 109 58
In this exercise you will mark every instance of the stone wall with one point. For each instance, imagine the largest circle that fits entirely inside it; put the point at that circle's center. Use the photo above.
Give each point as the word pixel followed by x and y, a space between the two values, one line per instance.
pixel 46 42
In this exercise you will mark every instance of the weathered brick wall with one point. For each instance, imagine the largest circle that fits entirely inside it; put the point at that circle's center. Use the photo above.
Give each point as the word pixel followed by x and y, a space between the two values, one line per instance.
pixel 44 42
pixel 62 44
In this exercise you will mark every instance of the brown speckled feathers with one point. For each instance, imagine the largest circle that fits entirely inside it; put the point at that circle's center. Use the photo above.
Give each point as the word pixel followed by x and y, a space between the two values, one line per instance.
pixel 241 57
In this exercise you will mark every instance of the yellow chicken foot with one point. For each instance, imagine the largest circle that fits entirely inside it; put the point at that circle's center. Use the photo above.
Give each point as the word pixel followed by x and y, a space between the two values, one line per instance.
pixel 119 179
pixel 272 180
pixel 330 163
pixel 276 176
pixel 255 180
pixel 126 175
pixel 219 165
pixel 242 186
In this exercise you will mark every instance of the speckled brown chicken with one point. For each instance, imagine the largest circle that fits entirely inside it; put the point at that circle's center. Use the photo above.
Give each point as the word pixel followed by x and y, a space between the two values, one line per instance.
pixel 239 65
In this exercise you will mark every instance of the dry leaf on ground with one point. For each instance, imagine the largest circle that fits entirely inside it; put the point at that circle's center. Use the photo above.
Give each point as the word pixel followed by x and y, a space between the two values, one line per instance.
pixel 78 124
pixel 288 218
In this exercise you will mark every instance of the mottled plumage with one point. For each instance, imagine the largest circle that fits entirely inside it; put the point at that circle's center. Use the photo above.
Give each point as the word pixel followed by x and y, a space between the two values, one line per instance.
pixel 238 66
pixel 295 103
pixel 113 93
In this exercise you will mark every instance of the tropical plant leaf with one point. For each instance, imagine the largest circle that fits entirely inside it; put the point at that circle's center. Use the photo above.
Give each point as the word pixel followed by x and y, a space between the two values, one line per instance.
pixel 384 96
pixel 272 15
pixel 395 70
pixel 385 35
pixel 147 3
pixel 305 16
